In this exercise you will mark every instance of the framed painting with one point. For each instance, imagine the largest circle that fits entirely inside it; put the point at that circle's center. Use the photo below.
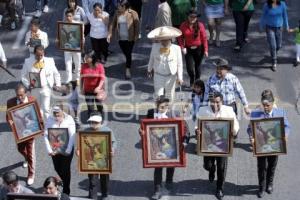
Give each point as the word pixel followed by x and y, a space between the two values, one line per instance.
pixel 94 152
pixel 15 196
pixel 216 137
pixel 35 42
pixel 162 143
pixel 25 121
pixel 70 36
pixel 35 79
pixel 58 139
pixel 269 137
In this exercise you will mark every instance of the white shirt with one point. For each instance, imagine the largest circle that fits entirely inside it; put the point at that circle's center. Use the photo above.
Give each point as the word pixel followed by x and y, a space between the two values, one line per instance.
pixel 159 115
pixel 2 54
pixel 99 29
pixel 43 36
pixel 68 122
pixel 123 27
pixel 224 112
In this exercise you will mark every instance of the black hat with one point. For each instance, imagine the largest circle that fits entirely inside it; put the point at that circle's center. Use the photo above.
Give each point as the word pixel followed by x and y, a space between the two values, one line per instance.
pixel 193 12
pixel 221 62
pixel 162 99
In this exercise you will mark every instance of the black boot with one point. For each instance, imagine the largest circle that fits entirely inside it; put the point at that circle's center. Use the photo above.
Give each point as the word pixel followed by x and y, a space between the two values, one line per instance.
pixel 269 188
pixel 261 192
pixel 219 194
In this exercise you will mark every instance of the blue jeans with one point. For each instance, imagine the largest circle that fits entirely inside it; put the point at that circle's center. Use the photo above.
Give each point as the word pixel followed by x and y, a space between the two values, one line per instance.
pixel 274 37
pixel 39 5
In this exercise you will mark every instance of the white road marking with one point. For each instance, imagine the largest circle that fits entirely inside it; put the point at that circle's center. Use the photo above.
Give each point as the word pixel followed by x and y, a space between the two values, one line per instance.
pixel 22 32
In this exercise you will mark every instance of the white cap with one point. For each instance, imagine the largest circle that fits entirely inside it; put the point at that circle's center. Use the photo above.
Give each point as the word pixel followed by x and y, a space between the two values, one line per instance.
pixel 95 118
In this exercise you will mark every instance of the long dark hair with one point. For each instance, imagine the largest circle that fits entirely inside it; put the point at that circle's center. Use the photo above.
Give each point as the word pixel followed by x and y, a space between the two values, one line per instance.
pixel 269 2
pixel 196 24
pixel 52 179
pixel 75 1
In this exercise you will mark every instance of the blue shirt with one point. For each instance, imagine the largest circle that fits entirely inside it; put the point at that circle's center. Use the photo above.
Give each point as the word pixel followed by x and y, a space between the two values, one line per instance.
pixel 228 87
pixel 274 17
pixel 276 112
pixel 197 101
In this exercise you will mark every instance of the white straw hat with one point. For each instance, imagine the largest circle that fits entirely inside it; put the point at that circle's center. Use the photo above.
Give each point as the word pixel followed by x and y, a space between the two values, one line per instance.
pixel 164 33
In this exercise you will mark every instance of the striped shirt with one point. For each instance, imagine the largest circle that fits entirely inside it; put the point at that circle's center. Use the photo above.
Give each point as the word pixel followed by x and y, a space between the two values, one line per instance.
pixel 228 87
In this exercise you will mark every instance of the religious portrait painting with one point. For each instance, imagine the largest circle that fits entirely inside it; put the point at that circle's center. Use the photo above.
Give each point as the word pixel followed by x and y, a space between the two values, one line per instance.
pixel 95 152
pixel 35 79
pixel 162 143
pixel 269 136
pixel 70 36
pixel 25 121
pixel 215 138
pixel 58 139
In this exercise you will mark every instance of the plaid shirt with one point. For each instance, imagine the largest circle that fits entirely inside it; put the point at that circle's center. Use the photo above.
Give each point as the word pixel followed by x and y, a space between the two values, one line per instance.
pixel 228 87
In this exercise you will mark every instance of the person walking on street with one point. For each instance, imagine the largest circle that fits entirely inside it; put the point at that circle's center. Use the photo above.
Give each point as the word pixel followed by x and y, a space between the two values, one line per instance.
pixel 274 17
pixel 193 43
pixel 165 63
pixel 179 9
pixel 216 110
pixel 26 148
pixel 36 34
pixel 266 165
pixel 163 15
pixel 215 11
pixel 297 41
pixel 92 80
pixel 41 7
pixel 95 122
pixel 242 11
pixel 49 77
pixel 61 158
pixel 126 25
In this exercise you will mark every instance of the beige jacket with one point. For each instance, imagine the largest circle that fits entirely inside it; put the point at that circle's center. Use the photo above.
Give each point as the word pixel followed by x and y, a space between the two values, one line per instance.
pixel 133 24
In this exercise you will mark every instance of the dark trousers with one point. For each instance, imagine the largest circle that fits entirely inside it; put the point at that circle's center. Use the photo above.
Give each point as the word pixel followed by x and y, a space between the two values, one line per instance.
pixel 158 176
pixel 242 19
pixel 193 59
pixel 209 165
pixel 127 47
pixel 100 46
pixel 266 166
pixel 90 99
pixel 62 165
pixel 93 182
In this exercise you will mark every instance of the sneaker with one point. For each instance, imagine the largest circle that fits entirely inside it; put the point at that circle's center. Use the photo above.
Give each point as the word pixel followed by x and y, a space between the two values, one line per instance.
pixel 273 68
pixel 38 13
pixel 237 48
pixel 246 40
pixel 46 9
pixel 30 180
pixel 296 63
pixel 25 164
pixel 127 74
pixel 13 25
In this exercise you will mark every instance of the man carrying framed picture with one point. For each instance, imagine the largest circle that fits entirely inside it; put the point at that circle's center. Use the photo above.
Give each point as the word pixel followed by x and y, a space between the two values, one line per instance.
pixel 216 109
pixel 49 75
pixel 95 122
pixel 266 165
pixel 26 148
pixel 61 160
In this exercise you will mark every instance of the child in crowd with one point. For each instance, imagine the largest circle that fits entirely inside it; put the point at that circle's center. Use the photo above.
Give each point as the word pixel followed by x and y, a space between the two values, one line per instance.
pixel 197 97
pixel 297 41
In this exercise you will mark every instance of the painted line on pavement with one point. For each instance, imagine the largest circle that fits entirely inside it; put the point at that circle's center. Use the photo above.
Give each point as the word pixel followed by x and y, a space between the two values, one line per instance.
pixel 21 33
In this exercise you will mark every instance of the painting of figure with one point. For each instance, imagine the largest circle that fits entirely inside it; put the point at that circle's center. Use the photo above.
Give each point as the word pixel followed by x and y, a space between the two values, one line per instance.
pixel 58 139
pixel 70 36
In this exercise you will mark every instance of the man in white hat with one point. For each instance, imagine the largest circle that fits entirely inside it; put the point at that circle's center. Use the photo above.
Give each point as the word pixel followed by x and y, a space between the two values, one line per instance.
pixel 62 159
pixel 165 64
pixel 95 122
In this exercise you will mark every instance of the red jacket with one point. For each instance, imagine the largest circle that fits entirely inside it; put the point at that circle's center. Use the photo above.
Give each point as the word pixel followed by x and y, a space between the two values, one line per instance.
pixel 187 38
pixel 91 77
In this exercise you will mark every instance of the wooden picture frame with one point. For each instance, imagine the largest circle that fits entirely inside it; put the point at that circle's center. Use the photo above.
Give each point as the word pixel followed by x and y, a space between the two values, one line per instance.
pixel 25 121
pixel 35 79
pixel 15 196
pixel 216 137
pixel 58 139
pixel 34 42
pixel 91 143
pixel 70 36
pixel 269 136
pixel 162 143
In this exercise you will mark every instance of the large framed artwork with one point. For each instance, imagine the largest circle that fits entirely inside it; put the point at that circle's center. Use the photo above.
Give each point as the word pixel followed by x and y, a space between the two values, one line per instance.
pixel 269 136
pixel 25 121
pixel 162 143
pixel 70 36
pixel 58 139
pixel 95 152
pixel 15 196
pixel 216 137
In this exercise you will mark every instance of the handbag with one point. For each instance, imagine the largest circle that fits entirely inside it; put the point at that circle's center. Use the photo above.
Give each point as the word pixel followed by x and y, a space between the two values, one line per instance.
pixel 100 94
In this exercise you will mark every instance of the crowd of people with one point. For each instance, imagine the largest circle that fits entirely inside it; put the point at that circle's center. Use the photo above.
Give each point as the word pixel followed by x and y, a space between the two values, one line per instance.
pixel 177 35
